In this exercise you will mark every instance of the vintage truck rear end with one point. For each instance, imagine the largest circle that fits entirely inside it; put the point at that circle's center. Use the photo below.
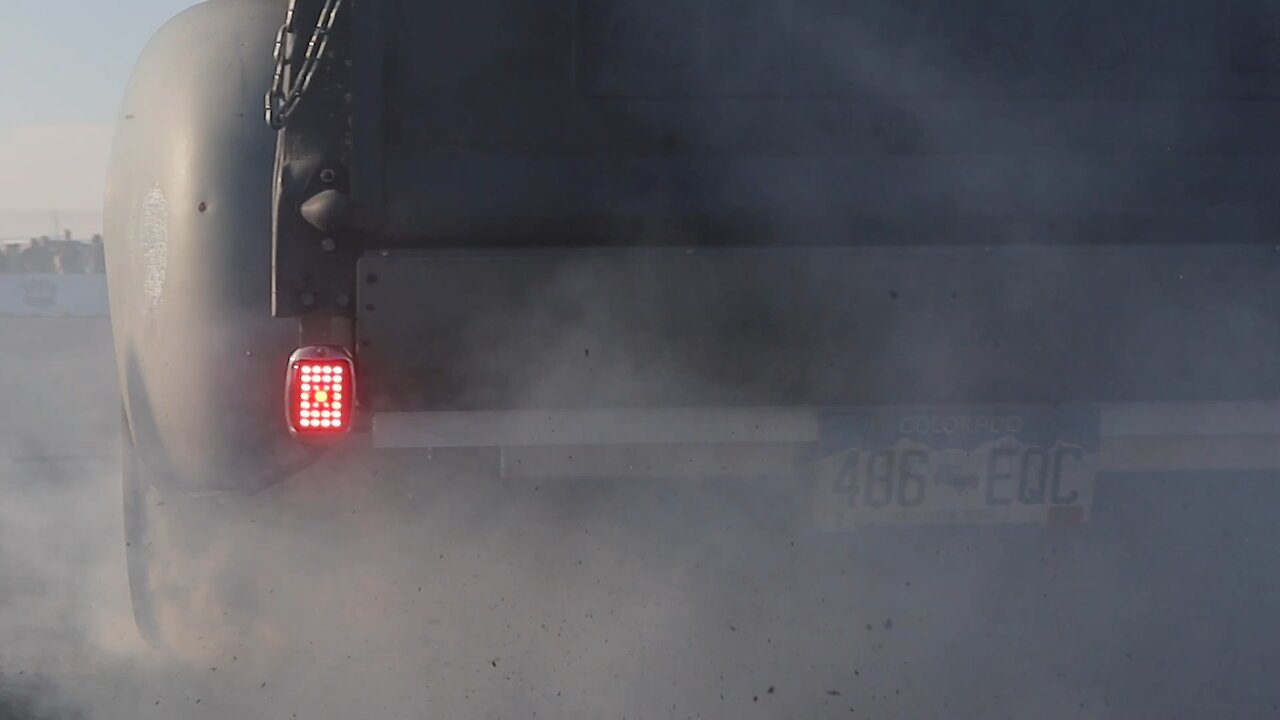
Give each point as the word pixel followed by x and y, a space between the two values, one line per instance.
pixel 941 262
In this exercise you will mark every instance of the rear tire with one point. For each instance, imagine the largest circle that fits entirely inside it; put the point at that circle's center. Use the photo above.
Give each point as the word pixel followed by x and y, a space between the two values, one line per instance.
pixel 137 540
pixel 189 558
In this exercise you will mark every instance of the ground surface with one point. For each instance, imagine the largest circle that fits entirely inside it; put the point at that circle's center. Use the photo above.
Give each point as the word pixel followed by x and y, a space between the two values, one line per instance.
pixel 410 589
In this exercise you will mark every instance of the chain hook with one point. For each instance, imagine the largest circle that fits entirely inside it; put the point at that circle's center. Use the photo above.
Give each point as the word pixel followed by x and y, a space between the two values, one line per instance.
pixel 285 95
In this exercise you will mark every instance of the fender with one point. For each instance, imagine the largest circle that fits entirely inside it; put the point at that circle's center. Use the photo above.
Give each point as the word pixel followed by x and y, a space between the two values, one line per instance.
pixel 188 244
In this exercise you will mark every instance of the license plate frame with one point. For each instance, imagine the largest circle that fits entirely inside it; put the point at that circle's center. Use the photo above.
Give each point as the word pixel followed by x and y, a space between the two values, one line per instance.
pixel 956 465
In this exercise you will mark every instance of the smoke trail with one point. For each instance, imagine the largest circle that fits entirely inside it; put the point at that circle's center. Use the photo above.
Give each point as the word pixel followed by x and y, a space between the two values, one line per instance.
pixel 393 586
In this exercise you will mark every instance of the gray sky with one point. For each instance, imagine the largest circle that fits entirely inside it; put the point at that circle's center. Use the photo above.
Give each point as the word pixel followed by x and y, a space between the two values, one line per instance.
pixel 63 67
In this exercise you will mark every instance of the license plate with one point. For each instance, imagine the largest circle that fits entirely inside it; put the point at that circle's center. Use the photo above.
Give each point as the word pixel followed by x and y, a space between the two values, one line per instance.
pixel 1023 465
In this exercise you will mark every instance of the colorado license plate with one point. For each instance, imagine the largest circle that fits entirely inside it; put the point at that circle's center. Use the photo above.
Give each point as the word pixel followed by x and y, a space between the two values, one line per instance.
pixel 1022 465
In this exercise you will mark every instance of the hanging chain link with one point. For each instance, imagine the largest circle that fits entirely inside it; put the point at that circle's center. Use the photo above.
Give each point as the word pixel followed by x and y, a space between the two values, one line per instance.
pixel 281 101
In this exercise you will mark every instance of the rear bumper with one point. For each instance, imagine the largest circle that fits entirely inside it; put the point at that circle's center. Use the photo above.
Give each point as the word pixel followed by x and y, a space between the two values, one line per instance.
pixel 1134 437
pixel 1174 347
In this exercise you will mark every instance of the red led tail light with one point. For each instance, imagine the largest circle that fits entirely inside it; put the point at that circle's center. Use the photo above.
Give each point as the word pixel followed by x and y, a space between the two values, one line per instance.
pixel 320 391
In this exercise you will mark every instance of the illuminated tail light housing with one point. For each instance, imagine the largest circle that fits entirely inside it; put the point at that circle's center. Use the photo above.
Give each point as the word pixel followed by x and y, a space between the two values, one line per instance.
pixel 320 391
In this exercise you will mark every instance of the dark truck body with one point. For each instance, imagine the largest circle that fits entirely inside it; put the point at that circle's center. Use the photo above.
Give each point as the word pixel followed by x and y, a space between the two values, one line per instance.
pixel 759 211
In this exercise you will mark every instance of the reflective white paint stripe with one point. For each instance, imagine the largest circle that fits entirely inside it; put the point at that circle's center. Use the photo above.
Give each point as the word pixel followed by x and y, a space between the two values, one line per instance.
pixel 1205 436
pixel 1172 454
pixel 796 424
pixel 530 428
pixel 1138 437
pixel 1191 419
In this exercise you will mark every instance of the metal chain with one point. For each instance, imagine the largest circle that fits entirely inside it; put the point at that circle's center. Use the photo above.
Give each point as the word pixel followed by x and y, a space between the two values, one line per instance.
pixel 281 101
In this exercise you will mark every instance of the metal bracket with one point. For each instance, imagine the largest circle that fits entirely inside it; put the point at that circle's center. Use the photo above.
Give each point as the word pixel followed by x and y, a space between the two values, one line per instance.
pixel 313 269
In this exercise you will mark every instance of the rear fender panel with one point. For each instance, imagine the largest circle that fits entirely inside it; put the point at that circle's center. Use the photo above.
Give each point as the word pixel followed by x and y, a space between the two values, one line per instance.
pixel 188 244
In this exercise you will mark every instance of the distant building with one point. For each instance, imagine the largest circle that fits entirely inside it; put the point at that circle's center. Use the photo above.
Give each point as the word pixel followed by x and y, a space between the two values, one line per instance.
pixel 64 255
